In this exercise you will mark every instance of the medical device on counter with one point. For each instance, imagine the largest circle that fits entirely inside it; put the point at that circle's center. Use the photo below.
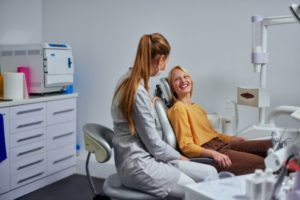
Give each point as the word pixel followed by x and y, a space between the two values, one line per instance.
pixel 277 159
pixel 259 97
pixel 51 65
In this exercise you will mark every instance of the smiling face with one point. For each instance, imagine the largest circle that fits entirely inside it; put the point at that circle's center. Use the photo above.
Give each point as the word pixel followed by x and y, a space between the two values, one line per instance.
pixel 181 83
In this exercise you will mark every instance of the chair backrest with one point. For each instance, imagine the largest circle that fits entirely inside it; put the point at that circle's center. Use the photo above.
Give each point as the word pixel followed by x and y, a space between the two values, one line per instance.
pixel 163 91
pixel 168 134
pixel 98 140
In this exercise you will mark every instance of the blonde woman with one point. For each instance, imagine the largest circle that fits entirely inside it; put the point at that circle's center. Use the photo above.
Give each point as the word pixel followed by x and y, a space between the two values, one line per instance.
pixel 143 161
pixel 196 137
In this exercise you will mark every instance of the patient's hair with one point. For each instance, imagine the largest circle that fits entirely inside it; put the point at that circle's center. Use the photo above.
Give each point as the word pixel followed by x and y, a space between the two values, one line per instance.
pixel 149 48
pixel 174 95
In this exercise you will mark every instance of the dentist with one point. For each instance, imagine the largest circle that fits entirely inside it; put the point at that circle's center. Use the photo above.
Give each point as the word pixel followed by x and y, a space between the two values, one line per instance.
pixel 143 160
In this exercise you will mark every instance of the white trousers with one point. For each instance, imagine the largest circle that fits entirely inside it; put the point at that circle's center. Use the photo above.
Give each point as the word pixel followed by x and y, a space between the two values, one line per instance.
pixel 192 172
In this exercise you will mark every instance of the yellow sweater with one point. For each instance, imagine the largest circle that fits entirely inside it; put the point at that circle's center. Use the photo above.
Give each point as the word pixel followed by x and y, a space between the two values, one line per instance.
pixel 192 128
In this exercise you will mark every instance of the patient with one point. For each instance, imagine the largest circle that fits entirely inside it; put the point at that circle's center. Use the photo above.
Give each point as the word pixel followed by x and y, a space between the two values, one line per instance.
pixel 196 137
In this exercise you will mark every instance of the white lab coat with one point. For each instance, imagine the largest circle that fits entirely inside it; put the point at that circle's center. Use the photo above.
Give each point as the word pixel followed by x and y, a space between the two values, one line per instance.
pixel 143 161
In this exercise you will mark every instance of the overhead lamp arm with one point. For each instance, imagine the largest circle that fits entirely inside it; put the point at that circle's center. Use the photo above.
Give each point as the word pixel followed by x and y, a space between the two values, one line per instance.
pixel 295 9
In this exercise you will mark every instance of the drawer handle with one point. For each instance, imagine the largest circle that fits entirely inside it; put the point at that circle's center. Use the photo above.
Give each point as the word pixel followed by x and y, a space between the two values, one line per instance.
pixel 29 111
pixel 29 138
pixel 63 159
pixel 62 135
pixel 30 164
pixel 30 124
pixel 30 177
pixel 30 151
pixel 63 111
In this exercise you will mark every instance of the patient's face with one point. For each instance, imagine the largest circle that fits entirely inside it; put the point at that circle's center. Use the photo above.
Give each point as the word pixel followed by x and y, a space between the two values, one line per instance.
pixel 181 83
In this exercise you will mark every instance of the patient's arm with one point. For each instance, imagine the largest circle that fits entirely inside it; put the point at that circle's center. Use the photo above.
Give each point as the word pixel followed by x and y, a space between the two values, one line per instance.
pixel 237 138
pixel 221 159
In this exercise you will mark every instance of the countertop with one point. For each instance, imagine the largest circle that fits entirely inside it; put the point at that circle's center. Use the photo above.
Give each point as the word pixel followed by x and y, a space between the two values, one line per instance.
pixel 37 99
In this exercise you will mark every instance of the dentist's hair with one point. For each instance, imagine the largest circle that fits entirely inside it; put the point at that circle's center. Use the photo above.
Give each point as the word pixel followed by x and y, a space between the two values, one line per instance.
pixel 149 48
pixel 174 95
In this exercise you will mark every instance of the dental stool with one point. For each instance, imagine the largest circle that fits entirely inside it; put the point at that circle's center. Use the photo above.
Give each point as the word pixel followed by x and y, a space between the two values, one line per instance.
pixel 98 140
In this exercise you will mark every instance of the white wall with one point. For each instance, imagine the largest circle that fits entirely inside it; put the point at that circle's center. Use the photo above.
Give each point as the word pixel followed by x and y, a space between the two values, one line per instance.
pixel 210 38
pixel 20 21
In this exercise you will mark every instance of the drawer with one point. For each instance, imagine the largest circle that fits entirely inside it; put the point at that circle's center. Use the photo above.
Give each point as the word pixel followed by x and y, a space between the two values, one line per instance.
pixel 28 163
pixel 61 158
pixel 29 110
pixel 27 137
pixel 61 135
pixel 28 150
pixel 61 111
pixel 28 123
pixel 28 176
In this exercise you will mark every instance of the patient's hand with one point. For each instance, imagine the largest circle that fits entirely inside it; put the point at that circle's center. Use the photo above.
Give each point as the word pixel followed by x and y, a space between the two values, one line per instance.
pixel 222 159
pixel 237 138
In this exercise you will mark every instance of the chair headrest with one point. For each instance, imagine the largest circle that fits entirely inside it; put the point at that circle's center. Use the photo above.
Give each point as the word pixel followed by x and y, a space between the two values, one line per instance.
pixel 163 90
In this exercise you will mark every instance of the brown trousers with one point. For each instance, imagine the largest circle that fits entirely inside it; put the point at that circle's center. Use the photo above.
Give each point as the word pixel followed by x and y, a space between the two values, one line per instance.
pixel 245 156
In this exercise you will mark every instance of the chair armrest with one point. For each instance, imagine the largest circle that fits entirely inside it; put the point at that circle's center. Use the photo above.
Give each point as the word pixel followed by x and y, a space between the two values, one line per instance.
pixel 203 160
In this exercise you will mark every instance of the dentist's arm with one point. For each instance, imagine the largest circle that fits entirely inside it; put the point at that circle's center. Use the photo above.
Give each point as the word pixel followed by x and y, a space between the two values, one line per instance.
pixel 144 120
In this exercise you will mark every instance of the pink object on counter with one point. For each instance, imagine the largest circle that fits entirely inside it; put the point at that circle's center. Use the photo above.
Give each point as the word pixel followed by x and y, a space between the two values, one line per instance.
pixel 26 71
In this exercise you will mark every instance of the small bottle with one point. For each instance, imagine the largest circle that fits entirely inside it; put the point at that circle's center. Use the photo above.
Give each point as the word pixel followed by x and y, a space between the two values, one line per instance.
pixel 257 185
pixel 269 183
pixel 230 120
pixel 249 188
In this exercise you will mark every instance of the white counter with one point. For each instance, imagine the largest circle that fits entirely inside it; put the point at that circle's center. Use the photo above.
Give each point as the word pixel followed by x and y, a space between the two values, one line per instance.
pixel 37 99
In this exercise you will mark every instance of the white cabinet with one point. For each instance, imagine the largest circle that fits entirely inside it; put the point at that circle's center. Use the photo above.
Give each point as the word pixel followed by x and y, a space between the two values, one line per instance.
pixel 61 134
pixel 41 145
pixel 28 143
pixel 4 165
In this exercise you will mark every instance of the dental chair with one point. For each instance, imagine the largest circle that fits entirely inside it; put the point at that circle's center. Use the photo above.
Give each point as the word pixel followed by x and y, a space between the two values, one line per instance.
pixel 98 140
pixel 163 91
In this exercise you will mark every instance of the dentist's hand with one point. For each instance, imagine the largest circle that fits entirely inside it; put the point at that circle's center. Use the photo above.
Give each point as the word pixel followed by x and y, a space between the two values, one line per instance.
pixel 183 158
pixel 154 99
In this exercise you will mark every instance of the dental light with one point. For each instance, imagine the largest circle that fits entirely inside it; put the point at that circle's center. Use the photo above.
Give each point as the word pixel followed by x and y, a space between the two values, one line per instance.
pixel 295 9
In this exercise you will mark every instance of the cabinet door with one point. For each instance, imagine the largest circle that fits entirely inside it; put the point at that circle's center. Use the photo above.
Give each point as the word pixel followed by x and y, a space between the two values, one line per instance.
pixel 4 165
pixel 61 158
pixel 61 111
pixel 28 110
pixel 61 135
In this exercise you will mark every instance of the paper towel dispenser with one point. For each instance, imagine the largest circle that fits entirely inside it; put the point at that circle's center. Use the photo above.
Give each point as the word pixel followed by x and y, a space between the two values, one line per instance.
pixel 51 65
